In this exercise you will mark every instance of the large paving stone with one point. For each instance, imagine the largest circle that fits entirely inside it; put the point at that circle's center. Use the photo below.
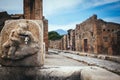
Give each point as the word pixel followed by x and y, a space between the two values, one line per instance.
pixel 56 73
pixel 95 73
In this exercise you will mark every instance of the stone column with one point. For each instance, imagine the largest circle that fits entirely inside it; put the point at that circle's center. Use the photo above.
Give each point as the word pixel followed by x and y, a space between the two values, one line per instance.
pixel 33 9
pixel 45 24
pixel 38 9
pixel 26 9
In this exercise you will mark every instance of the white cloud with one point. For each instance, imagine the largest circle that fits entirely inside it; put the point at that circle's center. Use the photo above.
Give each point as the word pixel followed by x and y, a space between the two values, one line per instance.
pixel 93 3
pixel 113 19
pixel 55 6
pixel 102 2
pixel 64 27
pixel 11 5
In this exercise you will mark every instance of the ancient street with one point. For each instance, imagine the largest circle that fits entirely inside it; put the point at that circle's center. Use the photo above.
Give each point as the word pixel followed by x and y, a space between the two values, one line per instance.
pixel 59 40
pixel 61 58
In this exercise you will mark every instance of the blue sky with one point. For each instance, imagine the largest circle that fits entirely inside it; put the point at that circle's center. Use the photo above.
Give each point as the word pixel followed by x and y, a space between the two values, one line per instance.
pixel 65 14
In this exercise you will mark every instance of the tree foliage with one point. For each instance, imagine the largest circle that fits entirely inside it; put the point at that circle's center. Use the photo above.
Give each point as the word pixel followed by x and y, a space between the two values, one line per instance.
pixel 53 35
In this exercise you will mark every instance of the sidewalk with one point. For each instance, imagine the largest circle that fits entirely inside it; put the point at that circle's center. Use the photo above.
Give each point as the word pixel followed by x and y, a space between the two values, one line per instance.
pixel 100 56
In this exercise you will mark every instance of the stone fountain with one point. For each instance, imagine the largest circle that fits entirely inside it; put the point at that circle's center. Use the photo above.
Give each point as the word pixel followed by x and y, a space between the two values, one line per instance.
pixel 22 49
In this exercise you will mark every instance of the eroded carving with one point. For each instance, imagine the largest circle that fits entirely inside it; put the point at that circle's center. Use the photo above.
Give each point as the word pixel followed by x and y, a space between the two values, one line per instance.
pixel 21 43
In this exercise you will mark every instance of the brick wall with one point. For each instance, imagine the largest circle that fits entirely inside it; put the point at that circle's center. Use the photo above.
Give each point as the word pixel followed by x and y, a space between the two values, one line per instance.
pixel 33 9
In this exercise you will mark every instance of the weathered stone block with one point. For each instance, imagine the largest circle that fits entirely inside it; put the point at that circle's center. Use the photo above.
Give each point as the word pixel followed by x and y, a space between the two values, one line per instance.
pixel 96 73
pixel 56 73
pixel 22 43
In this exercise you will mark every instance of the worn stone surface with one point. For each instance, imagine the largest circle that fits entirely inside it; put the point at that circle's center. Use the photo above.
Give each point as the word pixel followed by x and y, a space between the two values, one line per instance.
pixel 95 73
pixel 17 73
pixel 56 73
pixel 53 59
pixel 109 65
pixel 26 54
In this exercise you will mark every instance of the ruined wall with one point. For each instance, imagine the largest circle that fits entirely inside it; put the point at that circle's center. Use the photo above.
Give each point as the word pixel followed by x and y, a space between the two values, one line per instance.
pixel 84 35
pixel 64 42
pixel 56 44
pixel 93 36
pixel 72 39
pixel 97 36
pixel 107 34
pixel 3 17
pixel 77 38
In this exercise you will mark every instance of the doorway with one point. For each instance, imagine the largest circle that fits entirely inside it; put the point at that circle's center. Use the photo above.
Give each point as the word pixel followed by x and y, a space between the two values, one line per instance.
pixel 85 45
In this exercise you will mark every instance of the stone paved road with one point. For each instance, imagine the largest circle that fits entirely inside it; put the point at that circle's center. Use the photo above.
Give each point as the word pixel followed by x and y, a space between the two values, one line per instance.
pixel 109 65
pixel 59 60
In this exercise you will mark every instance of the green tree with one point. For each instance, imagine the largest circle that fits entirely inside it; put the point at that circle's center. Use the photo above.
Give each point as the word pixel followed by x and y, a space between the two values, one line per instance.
pixel 53 35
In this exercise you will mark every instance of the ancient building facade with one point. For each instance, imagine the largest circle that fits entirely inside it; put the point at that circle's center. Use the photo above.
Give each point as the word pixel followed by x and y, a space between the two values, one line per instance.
pixel 85 35
pixel 97 36
pixel 108 37
pixel 94 36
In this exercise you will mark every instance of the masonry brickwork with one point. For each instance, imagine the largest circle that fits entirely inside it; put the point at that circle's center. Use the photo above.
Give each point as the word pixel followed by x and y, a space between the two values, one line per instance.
pixel 33 9
pixel 93 36
pixel 64 42
pixel 56 44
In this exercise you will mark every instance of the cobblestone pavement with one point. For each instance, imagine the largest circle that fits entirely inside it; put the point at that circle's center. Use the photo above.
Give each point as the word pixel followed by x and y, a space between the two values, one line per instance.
pixel 59 60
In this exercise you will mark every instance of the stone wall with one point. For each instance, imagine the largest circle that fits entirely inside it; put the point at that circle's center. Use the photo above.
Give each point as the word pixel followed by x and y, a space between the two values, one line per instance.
pixel 3 17
pixel 94 36
pixel 56 44
pixel 108 41
pixel 85 35
pixel 71 34
pixel 64 43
